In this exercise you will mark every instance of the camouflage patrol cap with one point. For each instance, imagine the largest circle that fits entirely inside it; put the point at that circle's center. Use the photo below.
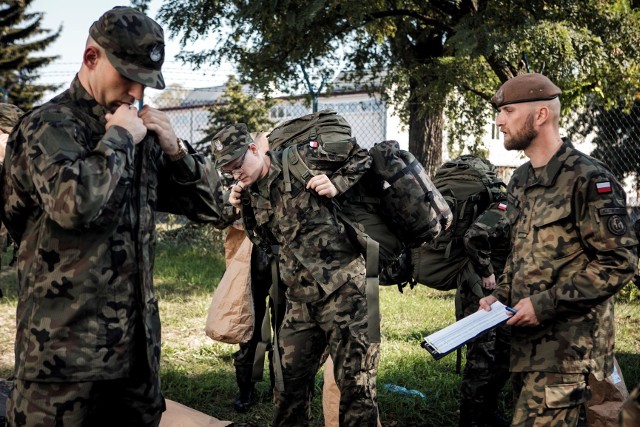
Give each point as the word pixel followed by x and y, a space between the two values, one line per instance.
pixel 134 44
pixel 9 116
pixel 525 88
pixel 230 143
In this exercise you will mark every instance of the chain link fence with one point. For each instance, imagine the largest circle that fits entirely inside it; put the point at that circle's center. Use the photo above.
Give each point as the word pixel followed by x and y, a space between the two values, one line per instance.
pixel 367 115
pixel 612 136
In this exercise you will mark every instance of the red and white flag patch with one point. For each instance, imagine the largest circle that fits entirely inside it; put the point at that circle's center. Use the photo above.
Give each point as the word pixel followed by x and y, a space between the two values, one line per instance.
pixel 502 206
pixel 313 144
pixel 603 187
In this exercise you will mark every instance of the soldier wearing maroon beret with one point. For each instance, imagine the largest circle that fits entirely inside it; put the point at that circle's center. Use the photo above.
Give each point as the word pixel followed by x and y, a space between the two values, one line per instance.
pixel 573 248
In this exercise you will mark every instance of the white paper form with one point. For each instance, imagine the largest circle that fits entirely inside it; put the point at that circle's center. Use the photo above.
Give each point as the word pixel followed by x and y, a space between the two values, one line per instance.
pixel 446 340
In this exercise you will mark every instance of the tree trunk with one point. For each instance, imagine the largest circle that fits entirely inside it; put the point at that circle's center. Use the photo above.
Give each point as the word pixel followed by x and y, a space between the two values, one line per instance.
pixel 425 136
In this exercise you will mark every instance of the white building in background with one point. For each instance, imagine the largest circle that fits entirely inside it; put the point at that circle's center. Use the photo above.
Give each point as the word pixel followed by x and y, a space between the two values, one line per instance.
pixel 371 121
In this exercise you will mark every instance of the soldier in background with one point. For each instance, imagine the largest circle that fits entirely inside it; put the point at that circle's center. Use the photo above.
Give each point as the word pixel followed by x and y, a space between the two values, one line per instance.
pixel 9 116
pixel 324 276
pixel 486 371
pixel 84 175
pixel 573 247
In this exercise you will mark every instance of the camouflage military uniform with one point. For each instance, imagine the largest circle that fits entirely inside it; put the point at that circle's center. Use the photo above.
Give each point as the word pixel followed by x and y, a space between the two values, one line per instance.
pixel 82 202
pixel 326 305
pixel 573 248
pixel 9 116
pixel 486 244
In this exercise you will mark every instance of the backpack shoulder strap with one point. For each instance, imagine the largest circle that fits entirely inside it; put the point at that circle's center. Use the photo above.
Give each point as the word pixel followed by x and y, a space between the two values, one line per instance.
pixel 292 164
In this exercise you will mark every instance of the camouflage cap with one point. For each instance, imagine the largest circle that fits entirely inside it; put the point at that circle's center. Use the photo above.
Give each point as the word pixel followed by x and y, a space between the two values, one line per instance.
pixel 9 116
pixel 525 88
pixel 230 143
pixel 134 44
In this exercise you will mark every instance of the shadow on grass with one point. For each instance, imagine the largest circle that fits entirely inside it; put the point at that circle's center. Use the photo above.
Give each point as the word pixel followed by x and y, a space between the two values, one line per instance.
pixel 630 367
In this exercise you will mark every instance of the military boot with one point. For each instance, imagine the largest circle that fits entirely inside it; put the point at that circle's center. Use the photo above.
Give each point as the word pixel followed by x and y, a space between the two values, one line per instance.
pixel 246 397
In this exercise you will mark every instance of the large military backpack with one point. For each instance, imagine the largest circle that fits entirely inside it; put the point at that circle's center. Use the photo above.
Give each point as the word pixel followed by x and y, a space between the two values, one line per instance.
pixel 469 185
pixel 394 205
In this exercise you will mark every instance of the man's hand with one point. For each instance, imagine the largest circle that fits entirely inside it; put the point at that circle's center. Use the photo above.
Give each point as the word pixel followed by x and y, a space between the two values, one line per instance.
pixel 235 194
pixel 485 303
pixel 158 121
pixel 127 117
pixel 525 315
pixel 322 185
pixel 489 282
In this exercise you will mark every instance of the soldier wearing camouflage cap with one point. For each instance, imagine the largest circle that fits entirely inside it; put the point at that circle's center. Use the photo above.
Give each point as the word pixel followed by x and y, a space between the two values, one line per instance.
pixel 324 274
pixel 573 247
pixel 84 175
pixel 9 116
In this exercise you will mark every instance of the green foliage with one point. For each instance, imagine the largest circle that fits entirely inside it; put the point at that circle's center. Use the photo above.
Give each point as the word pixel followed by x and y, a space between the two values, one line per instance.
pixel 237 106
pixel 629 293
pixel 425 51
pixel 20 33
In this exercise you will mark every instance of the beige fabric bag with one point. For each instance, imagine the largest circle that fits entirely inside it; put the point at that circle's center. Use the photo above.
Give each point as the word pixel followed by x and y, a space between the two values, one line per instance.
pixel 178 415
pixel 231 314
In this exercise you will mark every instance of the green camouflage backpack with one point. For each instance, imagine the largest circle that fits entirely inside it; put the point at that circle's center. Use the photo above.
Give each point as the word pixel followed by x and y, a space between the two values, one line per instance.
pixel 469 185
pixel 394 205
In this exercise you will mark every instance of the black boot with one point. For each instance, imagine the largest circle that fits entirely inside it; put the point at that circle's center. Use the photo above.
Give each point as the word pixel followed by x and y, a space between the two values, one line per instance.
pixel 246 397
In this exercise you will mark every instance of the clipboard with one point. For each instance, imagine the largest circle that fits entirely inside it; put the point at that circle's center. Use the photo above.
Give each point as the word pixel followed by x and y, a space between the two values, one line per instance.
pixel 448 339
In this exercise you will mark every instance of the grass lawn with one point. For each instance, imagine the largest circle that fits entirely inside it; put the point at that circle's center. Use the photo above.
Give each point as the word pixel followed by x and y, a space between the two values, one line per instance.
pixel 199 373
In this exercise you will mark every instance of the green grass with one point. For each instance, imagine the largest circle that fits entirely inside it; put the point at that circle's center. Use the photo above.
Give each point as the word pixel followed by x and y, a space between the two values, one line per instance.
pixel 199 373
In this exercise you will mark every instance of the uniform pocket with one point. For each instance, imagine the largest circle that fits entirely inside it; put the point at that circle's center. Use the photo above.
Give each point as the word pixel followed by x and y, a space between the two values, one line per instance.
pixel 565 395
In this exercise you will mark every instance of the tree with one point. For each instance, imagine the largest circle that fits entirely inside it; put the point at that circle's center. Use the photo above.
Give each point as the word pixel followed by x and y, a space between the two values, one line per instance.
pixel 19 39
pixel 236 106
pixel 424 51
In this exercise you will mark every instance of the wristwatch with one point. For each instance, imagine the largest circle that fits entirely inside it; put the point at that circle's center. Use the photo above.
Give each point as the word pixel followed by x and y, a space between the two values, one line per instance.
pixel 181 151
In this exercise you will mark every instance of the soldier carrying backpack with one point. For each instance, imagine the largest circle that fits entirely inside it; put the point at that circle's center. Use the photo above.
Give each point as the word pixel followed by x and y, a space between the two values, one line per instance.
pixel 468 257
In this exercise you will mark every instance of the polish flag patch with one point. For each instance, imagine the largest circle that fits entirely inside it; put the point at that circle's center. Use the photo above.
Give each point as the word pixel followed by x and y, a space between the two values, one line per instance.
pixel 603 187
pixel 313 144
pixel 502 206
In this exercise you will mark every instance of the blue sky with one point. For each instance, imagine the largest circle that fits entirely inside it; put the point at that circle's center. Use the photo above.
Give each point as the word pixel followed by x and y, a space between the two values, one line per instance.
pixel 76 16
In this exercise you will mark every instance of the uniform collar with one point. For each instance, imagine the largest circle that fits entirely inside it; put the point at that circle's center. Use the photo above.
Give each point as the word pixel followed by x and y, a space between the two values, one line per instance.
pixel 547 177
pixel 80 96
pixel 264 184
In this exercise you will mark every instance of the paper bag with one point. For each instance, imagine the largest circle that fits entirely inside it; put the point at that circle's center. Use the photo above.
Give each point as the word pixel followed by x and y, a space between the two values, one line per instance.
pixel 178 415
pixel 606 400
pixel 331 397
pixel 231 313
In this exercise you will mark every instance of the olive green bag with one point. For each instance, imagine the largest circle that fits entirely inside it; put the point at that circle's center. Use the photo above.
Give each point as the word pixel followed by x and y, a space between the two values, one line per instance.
pixel 469 185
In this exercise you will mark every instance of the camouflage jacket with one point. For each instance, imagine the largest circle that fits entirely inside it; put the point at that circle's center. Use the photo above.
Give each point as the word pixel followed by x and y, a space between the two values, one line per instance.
pixel 487 240
pixel 316 256
pixel 573 248
pixel 82 202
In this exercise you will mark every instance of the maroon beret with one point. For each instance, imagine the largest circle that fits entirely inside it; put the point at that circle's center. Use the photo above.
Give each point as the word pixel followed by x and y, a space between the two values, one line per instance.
pixel 525 88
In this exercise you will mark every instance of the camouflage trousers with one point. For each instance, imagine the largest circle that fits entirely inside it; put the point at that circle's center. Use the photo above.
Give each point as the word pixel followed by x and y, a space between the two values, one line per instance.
pixel 487 368
pixel 550 399
pixel 338 321
pixel 261 279
pixel 122 402
pixel 630 413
